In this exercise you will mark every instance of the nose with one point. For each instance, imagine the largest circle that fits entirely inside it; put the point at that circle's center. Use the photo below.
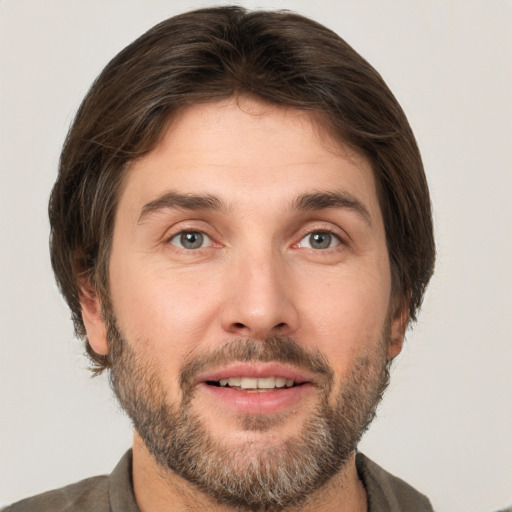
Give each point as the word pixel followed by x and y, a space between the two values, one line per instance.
pixel 259 298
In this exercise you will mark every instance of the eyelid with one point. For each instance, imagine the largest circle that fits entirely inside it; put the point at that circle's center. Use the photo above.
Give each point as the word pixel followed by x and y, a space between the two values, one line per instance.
pixel 323 227
pixel 185 223
pixel 191 226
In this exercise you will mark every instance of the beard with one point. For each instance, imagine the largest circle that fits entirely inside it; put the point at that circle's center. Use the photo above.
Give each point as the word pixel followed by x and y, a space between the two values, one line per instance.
pixel 250 476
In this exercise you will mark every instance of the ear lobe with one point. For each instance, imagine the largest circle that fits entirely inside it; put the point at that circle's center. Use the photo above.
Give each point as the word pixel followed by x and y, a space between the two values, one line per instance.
pixel 397 332
pixel 93 319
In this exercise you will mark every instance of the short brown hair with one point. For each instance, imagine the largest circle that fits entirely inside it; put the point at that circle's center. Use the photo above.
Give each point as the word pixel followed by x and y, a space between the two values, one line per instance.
pixel 212 54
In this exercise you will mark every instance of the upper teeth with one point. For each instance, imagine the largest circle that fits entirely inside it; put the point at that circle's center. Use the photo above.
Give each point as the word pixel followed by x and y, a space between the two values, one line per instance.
pixel 257 383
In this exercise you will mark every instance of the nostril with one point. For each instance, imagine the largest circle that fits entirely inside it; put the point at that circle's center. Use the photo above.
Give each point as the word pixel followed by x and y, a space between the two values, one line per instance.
pixel 280 326
pixel 239 325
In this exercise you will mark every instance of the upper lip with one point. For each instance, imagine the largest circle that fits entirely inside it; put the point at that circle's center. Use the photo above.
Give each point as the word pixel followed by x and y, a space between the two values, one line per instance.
pixel 257 370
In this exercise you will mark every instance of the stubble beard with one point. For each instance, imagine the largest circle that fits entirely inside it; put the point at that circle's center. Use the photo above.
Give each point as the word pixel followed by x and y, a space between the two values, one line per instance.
pixel 251 477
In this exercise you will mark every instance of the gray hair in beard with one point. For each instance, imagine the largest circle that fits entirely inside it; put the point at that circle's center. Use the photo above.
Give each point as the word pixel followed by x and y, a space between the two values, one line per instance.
pixel 250 477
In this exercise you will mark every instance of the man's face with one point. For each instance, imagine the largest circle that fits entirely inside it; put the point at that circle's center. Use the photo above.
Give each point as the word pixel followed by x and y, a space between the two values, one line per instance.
pixel 250 288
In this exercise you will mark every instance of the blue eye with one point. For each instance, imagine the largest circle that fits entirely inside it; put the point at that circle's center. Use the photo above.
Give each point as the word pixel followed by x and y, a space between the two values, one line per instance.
pixel 320 240
pixel 191 240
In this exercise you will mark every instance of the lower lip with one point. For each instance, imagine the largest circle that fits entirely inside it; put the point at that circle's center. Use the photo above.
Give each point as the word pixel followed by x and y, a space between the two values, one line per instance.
pixel 268 402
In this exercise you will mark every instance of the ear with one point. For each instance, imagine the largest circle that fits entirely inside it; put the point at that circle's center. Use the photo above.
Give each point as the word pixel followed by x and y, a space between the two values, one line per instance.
pixel 399 324
pixel 92 318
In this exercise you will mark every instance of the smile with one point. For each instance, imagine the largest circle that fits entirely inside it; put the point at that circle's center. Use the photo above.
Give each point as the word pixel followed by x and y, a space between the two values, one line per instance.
pixel 254 385
pixel 257 387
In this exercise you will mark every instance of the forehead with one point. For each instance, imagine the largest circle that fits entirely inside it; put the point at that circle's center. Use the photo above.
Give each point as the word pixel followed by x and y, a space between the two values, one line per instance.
pixel 246 151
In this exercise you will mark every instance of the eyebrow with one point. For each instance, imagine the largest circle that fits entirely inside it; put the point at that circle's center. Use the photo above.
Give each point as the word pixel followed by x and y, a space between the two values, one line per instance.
pixel 326 200
pixel 174 199
pixel 207 202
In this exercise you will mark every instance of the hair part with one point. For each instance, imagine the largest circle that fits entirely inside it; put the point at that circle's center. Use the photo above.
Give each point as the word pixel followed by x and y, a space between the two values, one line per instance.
pixel 212 54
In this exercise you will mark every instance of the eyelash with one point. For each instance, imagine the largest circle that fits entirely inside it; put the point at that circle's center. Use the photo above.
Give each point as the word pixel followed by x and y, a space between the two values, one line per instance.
pixel 329 232
pixel 333 237
pixel 183 232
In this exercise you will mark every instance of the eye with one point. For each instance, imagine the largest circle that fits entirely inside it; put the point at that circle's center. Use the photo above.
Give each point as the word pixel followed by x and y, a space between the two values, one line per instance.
pixel 191 240
pixel 320 240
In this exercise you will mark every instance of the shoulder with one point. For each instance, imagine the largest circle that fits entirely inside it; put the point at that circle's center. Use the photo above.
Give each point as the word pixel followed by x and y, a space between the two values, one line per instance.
pixel 90 495
pixel 97 494
pixel 386 492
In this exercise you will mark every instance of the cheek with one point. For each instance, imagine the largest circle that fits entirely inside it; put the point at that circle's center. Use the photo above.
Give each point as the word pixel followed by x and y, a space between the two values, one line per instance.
pixel 347 314
pixel 168 311
pixel 165 320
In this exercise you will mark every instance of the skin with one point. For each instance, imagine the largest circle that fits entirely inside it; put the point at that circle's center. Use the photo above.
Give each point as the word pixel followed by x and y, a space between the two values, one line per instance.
pixel 256 273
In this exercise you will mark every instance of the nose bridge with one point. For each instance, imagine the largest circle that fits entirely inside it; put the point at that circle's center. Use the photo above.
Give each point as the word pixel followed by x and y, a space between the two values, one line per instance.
pixel 259 303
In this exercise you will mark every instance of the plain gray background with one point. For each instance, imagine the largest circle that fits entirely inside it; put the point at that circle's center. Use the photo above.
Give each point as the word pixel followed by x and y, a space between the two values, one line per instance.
pixel 445 425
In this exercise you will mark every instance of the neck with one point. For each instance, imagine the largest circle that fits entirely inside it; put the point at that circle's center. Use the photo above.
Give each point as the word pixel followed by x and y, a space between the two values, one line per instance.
pixel 158 489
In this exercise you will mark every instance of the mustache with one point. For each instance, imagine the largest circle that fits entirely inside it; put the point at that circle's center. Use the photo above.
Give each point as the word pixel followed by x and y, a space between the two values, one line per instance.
pixel 281 349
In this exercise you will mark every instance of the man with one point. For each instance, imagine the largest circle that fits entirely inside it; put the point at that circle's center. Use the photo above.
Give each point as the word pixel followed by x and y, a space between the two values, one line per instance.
pixel 241 227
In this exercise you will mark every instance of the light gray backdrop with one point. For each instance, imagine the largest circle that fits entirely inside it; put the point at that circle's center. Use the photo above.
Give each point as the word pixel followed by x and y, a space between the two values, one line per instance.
pixel 446 422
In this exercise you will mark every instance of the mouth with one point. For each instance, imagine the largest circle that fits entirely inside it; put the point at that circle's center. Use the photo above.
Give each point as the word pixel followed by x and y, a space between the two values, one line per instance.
pixel 255 384
pixel 257 388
